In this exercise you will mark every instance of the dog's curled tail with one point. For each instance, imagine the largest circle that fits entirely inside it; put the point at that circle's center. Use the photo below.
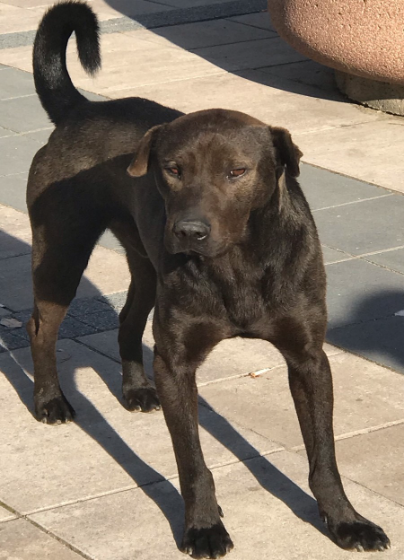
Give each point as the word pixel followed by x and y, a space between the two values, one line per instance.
pixel 52 81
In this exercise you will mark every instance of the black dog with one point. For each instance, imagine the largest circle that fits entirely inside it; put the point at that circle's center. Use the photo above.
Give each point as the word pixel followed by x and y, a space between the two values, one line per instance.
pixel 219 238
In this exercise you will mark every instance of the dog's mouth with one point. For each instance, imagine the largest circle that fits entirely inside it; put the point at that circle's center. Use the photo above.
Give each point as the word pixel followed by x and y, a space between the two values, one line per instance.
pixel 203 247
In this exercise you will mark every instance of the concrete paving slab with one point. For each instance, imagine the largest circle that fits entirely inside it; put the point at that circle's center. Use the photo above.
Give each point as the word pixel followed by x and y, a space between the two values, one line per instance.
pixel 16 83
pixel 106 343
pixel 78 475
pixel 324 189
pixel 107 272
pixel 117 8
pixel 122 450
pixel 393 260
pixel 378 340
pixel 42 134
pixel 191 3
pixel 366 395
pixel 307 72
pixel 4 132
pixel 11 340
pixel 16 226
pixel 360 291
pixel 16 153
pixel 22 114
pixel 27 4
pixel 264 76
pixel 109 241
pixel 331 256
pixel 6 515
pixel 21 540
pixel 13 191
pixel 231 358
pixel 370 217
pixel 16 283
pixel 270 104
pixel 260 20
pixel 11 247
pixel 251 54
pixel 156 62
pixel 209 33
pixel 384 451
pixel 14 18
pixel 371 152
pixel 105 319
pixel 264 504
pixel 240 356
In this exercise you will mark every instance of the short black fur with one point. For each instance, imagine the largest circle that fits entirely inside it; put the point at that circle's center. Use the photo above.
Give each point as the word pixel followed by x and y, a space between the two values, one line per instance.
pixel 219 239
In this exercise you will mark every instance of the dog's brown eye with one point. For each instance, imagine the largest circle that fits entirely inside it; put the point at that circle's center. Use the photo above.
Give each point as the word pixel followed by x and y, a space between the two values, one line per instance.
pixel 237 172
pixel 173 171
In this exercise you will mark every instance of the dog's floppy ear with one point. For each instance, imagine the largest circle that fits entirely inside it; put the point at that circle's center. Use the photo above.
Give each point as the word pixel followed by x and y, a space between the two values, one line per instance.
pixel 288 153
pixel 140 163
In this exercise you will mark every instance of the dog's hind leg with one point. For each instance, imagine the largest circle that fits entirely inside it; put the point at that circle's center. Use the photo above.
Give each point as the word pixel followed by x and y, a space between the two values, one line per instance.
pixel 138 393
pixel 311 387
pixel 58 259
pixel 51 406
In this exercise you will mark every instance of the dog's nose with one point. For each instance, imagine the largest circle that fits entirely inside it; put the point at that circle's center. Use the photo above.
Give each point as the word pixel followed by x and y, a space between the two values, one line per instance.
pixel 192 229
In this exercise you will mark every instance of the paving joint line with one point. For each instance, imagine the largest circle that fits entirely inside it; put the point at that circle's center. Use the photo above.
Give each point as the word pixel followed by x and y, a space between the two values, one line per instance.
pixel 378 252
pixel 336 127
pixel 357 323
pixel 96 350
pixel 18 97
pixel 357 433
pixel 135 487
pixel 10 510
pixel 379 265
pixel 353 202
pixel 216 73
pixel 243 42
pixel 28 132
pixel 59 539
pixel 229 18
pixel 363 258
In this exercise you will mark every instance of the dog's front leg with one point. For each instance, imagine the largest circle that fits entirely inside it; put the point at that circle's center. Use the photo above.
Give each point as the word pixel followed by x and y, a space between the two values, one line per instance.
pixel 205 535
pixel 311 386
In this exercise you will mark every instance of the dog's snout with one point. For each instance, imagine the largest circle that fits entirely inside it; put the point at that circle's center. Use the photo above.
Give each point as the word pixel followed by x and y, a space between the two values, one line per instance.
pixel 193 229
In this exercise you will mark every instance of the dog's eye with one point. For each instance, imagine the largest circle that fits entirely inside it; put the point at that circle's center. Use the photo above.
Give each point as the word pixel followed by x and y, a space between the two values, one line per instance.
pixel 173 170
pixel 237 172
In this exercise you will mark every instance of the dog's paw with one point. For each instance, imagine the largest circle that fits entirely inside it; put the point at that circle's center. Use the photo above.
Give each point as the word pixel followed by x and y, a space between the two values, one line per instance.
pixel 55 411
pixel 211 542
pixel 361 535
pixel 143 399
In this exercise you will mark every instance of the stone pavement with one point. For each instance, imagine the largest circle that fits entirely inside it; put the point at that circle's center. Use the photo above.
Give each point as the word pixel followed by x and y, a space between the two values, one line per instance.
pixel 106 486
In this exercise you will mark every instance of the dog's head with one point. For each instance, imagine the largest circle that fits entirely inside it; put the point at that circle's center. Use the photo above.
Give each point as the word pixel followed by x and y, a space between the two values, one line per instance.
pixel 213 168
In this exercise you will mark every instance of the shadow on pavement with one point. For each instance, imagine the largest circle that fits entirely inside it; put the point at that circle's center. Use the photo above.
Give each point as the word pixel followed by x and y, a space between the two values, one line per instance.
pixel 278 53
pixel 374 329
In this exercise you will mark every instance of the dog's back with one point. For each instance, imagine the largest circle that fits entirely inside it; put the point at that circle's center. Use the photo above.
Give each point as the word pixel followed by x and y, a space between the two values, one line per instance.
pixel 93 141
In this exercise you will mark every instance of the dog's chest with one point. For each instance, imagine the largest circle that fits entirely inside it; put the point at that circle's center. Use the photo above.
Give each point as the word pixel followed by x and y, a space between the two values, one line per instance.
pixel 239 294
